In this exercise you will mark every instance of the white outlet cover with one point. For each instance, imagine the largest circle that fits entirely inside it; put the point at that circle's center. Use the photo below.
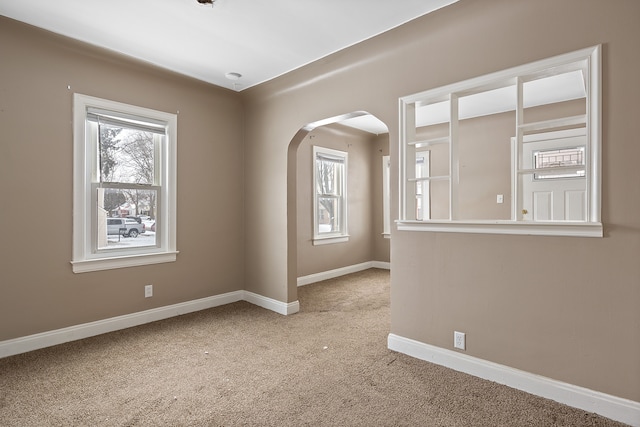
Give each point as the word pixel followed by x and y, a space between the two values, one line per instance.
pixel 459 340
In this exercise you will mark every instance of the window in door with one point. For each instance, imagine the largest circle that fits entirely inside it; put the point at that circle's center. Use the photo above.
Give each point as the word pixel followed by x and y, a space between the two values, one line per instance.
pixel 557 189
pixel 572 159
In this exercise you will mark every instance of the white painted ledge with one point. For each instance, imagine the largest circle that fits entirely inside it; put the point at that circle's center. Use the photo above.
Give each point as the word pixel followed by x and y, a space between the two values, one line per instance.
pixel 99 264
pixel 615 408
pixel 566 229
pixel 330 240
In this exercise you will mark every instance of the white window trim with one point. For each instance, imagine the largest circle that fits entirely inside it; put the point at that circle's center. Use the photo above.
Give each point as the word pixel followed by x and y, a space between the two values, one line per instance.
pixel 343 236
pixel 84 257
pixel 591 228
pixel 317 241
pixel 386 196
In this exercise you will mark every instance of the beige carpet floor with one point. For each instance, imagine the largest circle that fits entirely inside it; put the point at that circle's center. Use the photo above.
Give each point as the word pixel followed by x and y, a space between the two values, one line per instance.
pixel 241 365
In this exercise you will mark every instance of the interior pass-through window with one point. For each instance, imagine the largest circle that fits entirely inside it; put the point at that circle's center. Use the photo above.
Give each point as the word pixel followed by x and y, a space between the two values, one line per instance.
pixel 513 152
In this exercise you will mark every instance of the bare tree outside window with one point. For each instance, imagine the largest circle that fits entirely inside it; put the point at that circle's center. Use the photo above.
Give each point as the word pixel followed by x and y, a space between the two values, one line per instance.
pixel 330 192
pixel 128 173
pixel 328 182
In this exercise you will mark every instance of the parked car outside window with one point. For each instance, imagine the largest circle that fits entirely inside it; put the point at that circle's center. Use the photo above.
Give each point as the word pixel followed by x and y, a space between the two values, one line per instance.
pixel 124 226
pixel 136 218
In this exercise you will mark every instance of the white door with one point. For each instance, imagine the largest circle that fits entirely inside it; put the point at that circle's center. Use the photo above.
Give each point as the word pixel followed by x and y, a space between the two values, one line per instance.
pixel 558 195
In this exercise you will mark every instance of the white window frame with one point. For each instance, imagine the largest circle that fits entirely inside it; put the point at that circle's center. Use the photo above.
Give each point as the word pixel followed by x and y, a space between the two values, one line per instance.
pixel 423 168
pixel 592 227
pixel 342 235
pixel 386 196
pixel 86 257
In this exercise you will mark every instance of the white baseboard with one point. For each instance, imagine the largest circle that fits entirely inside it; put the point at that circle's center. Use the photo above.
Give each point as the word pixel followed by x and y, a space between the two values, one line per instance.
pixel 615 408
pixel 325 275
pixel 272 304
pixel 86 330
pixel 381 265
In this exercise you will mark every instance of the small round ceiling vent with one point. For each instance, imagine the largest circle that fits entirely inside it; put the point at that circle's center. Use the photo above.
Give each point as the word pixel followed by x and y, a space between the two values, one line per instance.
pixel 233 76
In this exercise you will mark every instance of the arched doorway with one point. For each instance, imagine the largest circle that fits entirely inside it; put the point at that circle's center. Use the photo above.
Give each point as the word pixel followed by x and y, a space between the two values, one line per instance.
pixel 308 259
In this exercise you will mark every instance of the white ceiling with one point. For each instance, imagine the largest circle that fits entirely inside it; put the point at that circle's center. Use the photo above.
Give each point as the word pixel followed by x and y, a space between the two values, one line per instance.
pixel 258 39
pixel 368 123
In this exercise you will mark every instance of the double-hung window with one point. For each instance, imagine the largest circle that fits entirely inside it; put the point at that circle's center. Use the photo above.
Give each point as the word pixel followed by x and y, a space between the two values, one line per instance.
pixel 330 201
pixel 124 185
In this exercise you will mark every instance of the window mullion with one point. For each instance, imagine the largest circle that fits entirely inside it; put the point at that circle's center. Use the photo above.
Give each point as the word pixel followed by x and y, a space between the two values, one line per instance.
pixel 516 179
pixel 593 77
pixel 408 149
pixel 454 164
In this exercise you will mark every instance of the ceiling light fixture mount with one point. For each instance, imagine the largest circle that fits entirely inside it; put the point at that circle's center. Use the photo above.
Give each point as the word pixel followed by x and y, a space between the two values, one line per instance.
pixel 233 76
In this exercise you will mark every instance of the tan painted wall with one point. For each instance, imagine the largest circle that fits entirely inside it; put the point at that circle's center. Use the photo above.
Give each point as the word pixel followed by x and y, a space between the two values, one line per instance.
pixel 316 259
pixel 38 291
pixel 558 307
pixel 381 245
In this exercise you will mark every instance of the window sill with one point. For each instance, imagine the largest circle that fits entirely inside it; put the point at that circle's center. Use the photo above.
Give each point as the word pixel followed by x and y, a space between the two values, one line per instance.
pixel 88 265
pixel 568 229
pixel 330 240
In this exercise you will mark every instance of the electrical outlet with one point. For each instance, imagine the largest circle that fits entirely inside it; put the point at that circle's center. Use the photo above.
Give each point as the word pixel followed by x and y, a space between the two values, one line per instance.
pixel 459 340
pixel 148 291
pixel 500 198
